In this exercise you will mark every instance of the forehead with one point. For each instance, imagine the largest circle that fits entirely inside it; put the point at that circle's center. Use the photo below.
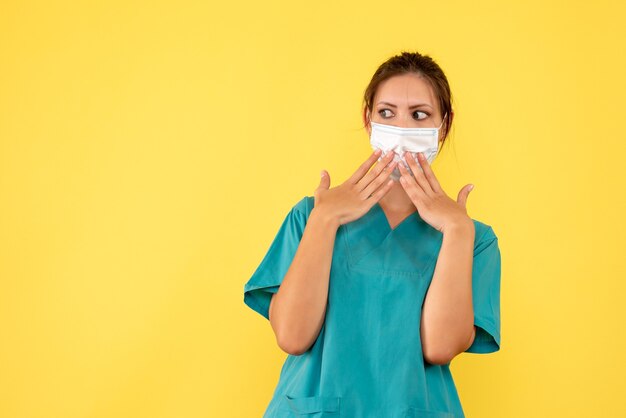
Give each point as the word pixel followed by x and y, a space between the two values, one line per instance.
pixel 405 90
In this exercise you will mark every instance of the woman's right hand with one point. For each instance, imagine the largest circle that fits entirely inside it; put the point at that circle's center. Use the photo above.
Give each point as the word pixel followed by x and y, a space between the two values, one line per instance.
pixel 355 197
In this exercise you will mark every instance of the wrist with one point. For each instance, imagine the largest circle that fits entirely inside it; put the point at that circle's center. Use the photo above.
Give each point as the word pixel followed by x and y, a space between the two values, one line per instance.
pixel 325 217
pixel 460 226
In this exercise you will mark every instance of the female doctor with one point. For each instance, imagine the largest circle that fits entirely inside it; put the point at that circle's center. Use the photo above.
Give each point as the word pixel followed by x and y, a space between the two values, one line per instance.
pixel 373 286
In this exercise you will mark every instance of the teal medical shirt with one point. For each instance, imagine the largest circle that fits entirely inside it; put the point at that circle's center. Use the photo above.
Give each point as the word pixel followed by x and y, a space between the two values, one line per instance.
pixel 367 360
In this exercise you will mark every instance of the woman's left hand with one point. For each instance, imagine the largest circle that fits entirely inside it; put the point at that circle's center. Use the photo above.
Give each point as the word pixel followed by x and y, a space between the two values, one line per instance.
pixel 432 203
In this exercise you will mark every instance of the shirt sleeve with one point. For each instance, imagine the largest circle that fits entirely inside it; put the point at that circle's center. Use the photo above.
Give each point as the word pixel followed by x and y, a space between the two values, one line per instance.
pixel 270 273
pixel 486 272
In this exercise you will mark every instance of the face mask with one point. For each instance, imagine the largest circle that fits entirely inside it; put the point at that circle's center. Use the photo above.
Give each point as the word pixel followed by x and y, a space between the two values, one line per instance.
pixel 398 140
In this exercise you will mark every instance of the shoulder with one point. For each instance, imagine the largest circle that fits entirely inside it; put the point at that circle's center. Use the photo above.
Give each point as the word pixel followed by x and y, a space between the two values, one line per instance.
pixel 484 232
pixel 304 206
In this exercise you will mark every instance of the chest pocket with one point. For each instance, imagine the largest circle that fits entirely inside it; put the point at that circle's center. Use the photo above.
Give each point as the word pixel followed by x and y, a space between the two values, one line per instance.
pixel 315 406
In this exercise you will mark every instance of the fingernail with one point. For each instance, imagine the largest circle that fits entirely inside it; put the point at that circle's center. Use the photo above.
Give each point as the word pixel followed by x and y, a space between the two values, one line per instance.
pixel 471 187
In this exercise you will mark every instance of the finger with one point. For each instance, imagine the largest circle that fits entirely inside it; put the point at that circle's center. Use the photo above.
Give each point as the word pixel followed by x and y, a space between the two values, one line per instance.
pixel 418 174
pixel 382 164
pixel 379 193
pixel 428 173
pixel 360 172
pixel 324 181
pixel 379 180
pixel 463 193
pixel 412 188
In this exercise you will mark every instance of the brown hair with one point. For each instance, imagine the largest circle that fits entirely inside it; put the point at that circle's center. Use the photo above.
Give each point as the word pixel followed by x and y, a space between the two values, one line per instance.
pixel 413 62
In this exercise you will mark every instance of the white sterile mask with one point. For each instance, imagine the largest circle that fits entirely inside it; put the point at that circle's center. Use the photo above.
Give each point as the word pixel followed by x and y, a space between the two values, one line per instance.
pixel 390 138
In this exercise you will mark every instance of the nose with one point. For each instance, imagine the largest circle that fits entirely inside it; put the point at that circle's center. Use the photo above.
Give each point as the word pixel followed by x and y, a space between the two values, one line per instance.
pixel 403 121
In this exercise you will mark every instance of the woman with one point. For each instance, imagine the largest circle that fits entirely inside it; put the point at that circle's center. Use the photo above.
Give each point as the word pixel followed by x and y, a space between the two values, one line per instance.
pixel 372 287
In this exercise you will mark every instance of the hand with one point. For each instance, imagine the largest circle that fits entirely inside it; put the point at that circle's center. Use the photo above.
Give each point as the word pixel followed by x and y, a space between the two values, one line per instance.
pixel 355 197
pixel 432 203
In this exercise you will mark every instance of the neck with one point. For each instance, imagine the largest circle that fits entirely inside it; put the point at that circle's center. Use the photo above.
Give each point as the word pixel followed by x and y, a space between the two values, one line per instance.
pixel 396 200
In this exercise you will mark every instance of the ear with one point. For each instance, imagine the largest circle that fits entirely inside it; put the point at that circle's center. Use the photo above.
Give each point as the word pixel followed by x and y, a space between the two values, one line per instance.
pixel 366 121
pixel 451 117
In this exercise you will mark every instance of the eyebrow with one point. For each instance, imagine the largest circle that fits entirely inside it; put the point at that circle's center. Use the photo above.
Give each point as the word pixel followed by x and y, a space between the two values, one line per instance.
pixel 410 107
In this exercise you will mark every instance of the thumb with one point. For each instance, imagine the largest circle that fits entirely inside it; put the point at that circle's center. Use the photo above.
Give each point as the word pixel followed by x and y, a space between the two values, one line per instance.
pixel 324 181
pixel 462 197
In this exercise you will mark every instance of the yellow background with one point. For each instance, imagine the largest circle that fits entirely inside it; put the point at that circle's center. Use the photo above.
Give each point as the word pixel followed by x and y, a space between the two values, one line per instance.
pixel 150 150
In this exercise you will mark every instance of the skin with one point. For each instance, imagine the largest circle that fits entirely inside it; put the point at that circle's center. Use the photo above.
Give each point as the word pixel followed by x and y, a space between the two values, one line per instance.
pixel 297 310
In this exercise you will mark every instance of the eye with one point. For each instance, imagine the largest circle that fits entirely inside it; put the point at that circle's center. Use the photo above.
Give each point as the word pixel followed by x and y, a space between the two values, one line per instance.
pixel 423 113
pixel 381 112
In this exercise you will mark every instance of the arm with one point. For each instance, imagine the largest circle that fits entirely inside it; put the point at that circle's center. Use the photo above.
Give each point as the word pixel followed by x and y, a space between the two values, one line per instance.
pixel 447 324
pixel 297 310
